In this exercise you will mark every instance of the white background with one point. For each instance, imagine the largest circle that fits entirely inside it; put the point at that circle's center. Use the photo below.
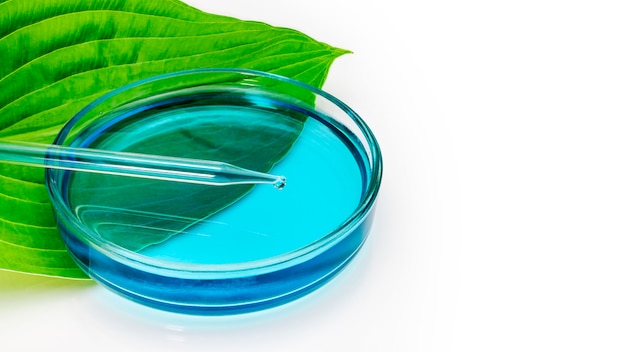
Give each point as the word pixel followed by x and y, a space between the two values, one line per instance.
pixel 500 223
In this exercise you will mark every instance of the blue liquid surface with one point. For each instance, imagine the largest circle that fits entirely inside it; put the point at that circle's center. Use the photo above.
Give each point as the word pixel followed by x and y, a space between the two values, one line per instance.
pixel 324 186
pixel 146 239
pixel 323 189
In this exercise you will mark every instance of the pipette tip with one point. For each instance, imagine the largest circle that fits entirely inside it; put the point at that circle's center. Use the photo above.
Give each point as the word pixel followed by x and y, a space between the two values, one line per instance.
pixel 280 182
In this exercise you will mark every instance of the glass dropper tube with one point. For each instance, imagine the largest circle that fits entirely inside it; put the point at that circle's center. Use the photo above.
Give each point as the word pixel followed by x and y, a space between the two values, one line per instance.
pixel 207 172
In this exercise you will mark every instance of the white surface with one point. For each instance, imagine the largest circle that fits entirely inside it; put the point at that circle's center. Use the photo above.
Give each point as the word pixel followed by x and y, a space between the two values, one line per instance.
pixel 500 224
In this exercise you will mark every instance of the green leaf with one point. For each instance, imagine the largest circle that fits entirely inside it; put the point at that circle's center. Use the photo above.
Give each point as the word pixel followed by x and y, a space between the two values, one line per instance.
pixel 59 55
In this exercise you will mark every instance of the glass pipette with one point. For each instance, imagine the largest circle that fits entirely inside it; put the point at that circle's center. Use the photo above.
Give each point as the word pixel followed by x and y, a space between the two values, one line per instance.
pixel 207 172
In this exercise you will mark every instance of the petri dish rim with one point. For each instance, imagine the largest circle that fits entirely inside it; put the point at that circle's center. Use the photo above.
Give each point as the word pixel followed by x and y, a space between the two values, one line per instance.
pixel 198 271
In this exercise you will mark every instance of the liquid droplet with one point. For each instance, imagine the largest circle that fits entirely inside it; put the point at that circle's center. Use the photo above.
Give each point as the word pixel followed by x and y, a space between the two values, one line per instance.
pixel 280 183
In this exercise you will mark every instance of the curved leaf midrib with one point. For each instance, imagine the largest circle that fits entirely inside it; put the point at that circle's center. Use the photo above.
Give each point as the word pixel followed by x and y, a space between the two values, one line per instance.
pixel 23 32
pixel 131 38
pixel 29 94
pixel 58 91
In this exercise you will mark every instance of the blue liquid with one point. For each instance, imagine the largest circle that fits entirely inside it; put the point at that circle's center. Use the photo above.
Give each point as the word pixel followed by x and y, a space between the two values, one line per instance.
pixel 323 189
pixel 163 222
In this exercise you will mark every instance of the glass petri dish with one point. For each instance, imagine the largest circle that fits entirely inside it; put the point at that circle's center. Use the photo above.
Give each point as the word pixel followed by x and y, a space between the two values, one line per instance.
pixel 219 249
